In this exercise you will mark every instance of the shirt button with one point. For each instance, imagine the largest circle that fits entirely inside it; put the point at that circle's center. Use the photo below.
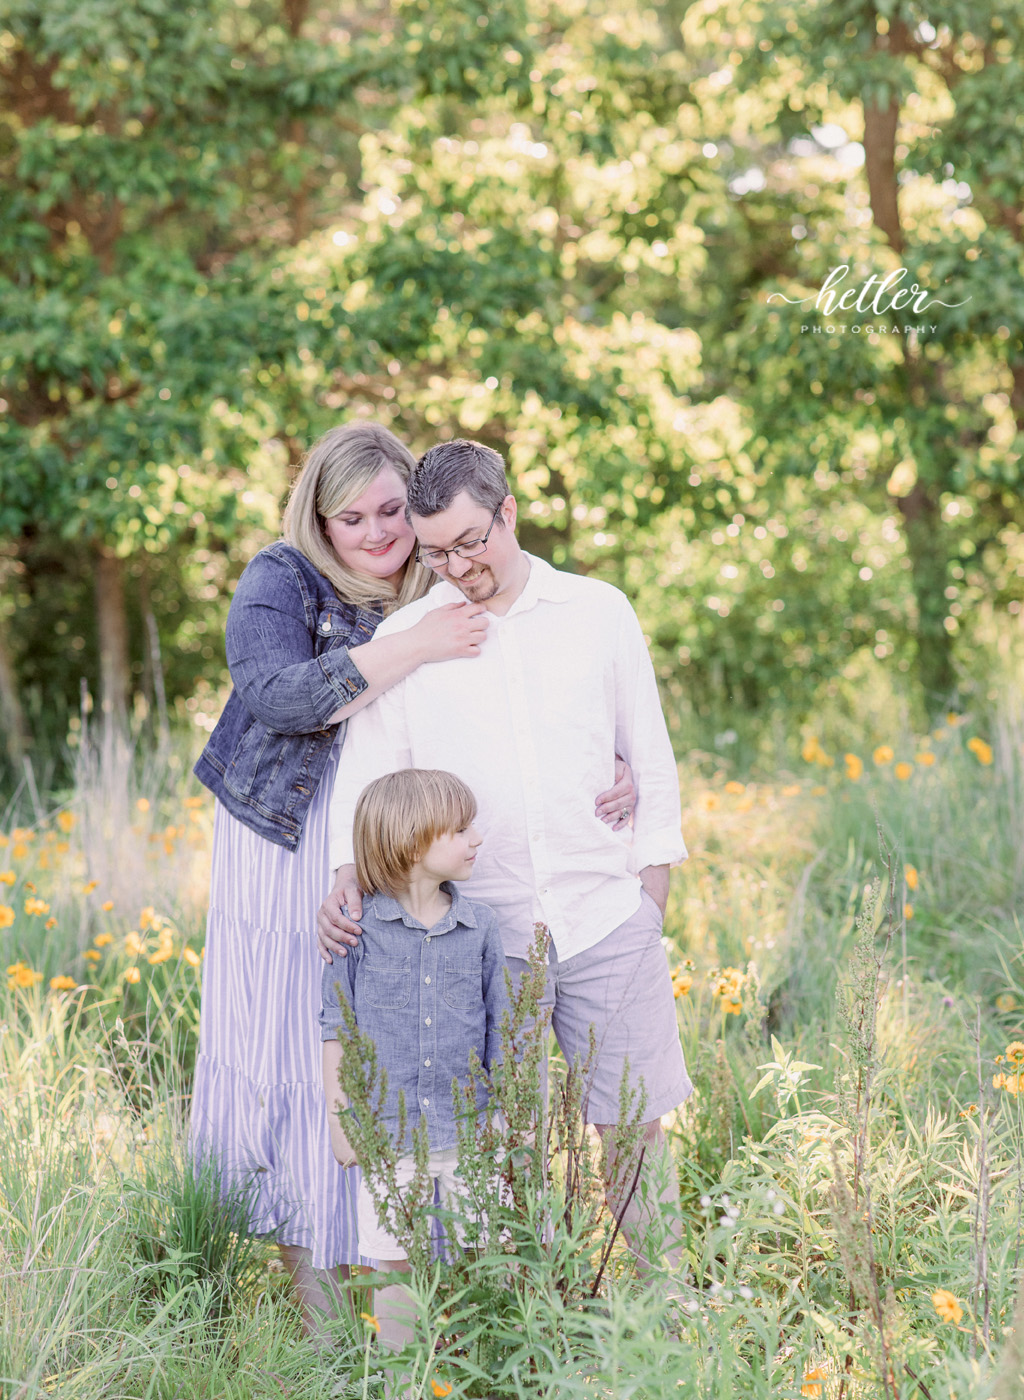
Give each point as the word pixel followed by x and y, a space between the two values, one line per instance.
pixel 427 1021
pixel 327 625
pixel 426 1103
pixel 426 979
pixel 427 939
pixel 426 1063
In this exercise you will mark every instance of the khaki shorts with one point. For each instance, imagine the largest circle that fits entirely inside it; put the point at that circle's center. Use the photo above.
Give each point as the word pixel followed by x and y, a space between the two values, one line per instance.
pixel 374 1240
pixel 623 988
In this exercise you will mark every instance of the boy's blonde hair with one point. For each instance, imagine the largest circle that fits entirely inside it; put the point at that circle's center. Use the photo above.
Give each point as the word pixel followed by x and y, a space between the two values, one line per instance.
pixel 398 816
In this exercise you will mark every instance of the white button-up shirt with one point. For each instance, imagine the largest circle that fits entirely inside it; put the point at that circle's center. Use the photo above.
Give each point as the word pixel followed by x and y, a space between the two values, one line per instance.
pixel 562 683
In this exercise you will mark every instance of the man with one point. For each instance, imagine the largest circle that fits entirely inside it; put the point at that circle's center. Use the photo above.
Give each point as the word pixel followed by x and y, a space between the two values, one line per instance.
pixel 563 681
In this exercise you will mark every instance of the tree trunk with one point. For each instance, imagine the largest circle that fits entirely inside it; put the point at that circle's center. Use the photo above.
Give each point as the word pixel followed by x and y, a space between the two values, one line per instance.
pixel 922 524
pixel 16 737
pixel 112 626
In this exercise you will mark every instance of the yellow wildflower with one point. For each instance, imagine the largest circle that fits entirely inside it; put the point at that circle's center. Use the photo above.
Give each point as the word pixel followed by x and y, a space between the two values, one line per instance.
pixel 981 750
pixel 89 886
pixel 810 750
pixel 440 1389
pixel 814 1383
pixel 969 1111
pixel 191 956
pixel 132 974
pixel 50 923
pixel 193 802
pixel 19 974
pixel 91 955
pixel 953 719
pixel 370 1321
pixel 818 791
pixel 733 788
pixel 908 912
pixel 1006 1002
pixel 925 758
pixel 791 790
pixel 681 983
pixel 6 916
pixel 911 876
pixel 133 944
pixel 903 771
pixel 7 877
pixel 998 1080
pixel 102 939
pixel 142 805
pixel 854 766
pixel 732 1006
pixel 22 833
pixel 883 755
pixel 1015 1052
pixel 66 821
pixel 36 906
pixel 107 905
pixel 62 984
pixel 946 1305
pixel 148 917
pixel 709 801
pixel 19 850
pixel 4 841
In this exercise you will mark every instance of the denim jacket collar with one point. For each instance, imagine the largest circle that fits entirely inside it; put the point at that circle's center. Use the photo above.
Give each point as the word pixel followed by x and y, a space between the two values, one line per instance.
pixel 461 912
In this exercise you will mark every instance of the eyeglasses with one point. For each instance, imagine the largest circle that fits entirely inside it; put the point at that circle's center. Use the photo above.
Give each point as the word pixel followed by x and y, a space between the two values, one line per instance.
pixel 438 558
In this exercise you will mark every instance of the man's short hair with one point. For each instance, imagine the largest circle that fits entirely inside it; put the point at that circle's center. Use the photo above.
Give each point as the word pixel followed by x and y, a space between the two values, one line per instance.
pixel 451 467
pixel 398 816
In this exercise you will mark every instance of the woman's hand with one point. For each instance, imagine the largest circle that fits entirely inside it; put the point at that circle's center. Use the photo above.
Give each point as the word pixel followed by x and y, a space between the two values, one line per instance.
pixel 615 807
pixel 333 928
pixel 456 630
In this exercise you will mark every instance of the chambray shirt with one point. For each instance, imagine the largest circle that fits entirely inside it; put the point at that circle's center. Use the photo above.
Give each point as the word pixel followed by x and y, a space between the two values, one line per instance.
pixel 425 997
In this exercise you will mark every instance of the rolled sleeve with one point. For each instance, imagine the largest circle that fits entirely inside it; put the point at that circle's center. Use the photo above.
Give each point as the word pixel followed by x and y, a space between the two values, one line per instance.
pixel 496 1000
pixel 272 656
pixel 377 742
pixel 336 982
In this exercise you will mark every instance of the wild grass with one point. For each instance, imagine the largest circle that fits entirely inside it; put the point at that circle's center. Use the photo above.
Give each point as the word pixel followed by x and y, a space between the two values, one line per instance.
pixel 851 1165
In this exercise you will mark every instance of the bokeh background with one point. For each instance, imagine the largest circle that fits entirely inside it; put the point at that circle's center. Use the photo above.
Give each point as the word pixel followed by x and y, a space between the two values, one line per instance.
pixel 559 228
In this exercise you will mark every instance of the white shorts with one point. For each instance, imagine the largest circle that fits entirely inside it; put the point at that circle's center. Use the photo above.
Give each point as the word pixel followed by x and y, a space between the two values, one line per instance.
pixel 374 1241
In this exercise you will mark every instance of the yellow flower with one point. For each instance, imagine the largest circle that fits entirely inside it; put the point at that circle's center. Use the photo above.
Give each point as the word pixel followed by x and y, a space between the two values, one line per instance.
pixel 142 805
pixel 22 833
pixel 191 956
pixel 969 1111
pixel 818 791
pixel 811 750
pixel 19 974
pixel 981 750
pixel 102 939
pixel 133 944
pixel 132 974
pixel 709 801
pixel 908 912
pixel 4 841
pixel 854 766
pixel 792 790
pixel 6 916
pixel 66 821
pixel 148 918
pixel 883 755
pixel 62 984
pixel 7 877
pixel 1015 1052
pixel 953 719
pixel 107 905
pixel 925 758
pixel 89 886
pixel 734 788
pixel 681 983
pixel 1006 1002
pixel 732 1006
pixel 1013 1083
pixel 946 1305
pixel 998 1081
pixel 36 906
pixel 814 1383
pixel 164 949
pixel 50 923
pixel 440 1389
pixel 19 850
pixel 911 877
pixel 370 1321
pixel 91 955
pixel 193 802
pixel 903 771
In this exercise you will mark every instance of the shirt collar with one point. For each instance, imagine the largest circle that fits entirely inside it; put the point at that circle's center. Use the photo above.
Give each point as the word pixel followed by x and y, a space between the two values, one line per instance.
pixel 387 908
pixel 543 584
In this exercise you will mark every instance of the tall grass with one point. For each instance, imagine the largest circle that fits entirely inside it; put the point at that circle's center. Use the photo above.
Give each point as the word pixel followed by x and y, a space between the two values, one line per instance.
pixel 122 1273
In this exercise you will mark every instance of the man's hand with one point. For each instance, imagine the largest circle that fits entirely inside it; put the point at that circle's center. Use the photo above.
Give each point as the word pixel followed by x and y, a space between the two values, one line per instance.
pixel 654 879
pixel 335 929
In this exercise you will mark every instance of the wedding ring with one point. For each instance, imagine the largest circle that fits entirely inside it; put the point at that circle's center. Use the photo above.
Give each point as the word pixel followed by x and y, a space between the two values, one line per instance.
pixel 623 814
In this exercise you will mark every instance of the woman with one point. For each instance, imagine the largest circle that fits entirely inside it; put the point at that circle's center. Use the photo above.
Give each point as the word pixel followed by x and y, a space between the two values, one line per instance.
pixel 302 657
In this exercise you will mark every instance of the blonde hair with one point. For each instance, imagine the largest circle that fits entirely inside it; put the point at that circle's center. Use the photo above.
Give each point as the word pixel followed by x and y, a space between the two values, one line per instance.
pixel 398 816
pixel 337 470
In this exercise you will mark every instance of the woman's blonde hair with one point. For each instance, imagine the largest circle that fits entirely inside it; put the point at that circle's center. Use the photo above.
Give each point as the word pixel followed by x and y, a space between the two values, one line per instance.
pixel 398 816
pixel 337 470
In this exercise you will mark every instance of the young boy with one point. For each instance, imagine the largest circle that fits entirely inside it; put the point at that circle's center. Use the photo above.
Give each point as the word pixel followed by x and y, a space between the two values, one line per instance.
pixel 426 981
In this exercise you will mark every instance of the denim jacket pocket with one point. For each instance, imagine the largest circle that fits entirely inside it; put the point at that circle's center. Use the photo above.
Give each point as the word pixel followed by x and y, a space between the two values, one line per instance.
pixel 462 983
pixel 333 626
pixel 255 761
pixel 387 986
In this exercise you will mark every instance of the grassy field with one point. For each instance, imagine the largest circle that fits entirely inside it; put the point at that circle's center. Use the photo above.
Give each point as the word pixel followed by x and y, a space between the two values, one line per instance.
pixel 849 966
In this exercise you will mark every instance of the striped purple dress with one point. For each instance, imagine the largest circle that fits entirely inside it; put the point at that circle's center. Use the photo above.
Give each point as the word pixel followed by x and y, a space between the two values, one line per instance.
pixel 258 1104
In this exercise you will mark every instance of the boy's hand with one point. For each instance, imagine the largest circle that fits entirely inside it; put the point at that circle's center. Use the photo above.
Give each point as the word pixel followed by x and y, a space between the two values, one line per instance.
pixel 335 929
pixel 344 1154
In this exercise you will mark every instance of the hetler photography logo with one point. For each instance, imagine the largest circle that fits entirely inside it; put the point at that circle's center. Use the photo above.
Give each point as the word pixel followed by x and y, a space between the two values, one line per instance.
pixel 884 299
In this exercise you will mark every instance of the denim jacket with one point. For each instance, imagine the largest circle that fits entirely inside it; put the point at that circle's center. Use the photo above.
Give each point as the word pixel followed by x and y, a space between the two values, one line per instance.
pixel 425 997
pixel 288 635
